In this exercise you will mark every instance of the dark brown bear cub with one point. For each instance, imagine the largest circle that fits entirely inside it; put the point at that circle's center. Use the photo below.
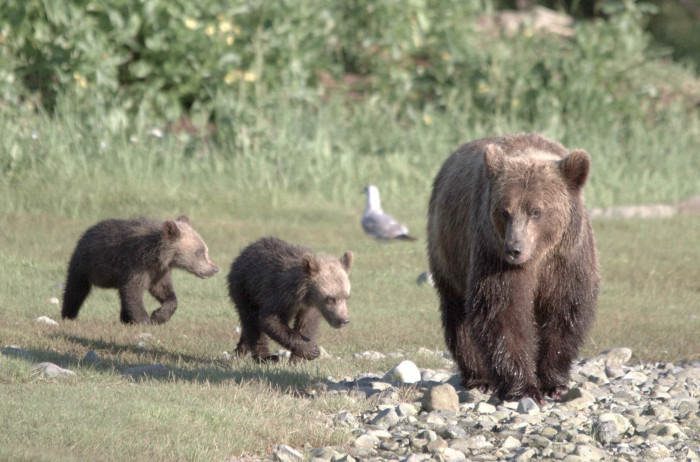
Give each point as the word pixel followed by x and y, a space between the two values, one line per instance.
pixel 134 256
pixel 273 282
pixel 513 257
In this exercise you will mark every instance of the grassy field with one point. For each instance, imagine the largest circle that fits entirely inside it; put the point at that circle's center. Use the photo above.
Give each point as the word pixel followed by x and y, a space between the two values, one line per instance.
pixel 209 409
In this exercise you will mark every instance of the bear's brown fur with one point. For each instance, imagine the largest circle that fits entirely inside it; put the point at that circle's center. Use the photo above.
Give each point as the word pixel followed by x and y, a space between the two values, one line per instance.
pixel 273 282
pixel 512 253
pixel 134 256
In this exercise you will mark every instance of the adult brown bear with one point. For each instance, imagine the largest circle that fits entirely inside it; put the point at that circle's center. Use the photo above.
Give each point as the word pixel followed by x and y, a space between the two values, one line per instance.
pixel 513 257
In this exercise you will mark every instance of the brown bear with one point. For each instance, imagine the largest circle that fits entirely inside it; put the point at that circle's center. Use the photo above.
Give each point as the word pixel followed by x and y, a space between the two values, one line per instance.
pixel 512 254
pixel 273 282
pixel 134 256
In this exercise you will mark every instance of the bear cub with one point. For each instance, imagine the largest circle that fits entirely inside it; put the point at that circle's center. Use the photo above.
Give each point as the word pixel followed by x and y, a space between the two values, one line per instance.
pixel 273 282
pixel 514 261
pixel 134 256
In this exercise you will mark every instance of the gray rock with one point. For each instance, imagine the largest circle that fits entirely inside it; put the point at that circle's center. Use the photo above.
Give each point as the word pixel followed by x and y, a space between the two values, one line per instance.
pixel 51 370
pixel 511 443
pixel 655 451
pixel 485 408
pixel 365 441
pixel 404 372
pixel 528 406
pixel 385 418
pixel 617 357
pixel 91 357
pixel 525 454
pixel 425 278
pixel 284 453
pixel 441 396
pixel 406 410
pixel 587 452
pixel 622 424
pixel 605 432
pixel 665 429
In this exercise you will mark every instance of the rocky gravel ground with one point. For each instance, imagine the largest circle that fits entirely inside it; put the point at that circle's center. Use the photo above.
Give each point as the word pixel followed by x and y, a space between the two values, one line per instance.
pixel 614 411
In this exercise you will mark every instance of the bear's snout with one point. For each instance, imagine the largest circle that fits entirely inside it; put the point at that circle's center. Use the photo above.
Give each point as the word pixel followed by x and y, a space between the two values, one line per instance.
pixel 513 251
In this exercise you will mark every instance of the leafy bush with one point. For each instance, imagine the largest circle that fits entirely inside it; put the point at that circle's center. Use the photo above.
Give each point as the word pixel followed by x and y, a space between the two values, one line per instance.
pixel 174 58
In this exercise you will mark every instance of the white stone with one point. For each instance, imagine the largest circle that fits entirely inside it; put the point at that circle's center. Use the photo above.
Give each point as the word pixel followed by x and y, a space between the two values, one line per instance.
pixel 51 370
pixel 45 320
pixel 404 372
pixel 284 453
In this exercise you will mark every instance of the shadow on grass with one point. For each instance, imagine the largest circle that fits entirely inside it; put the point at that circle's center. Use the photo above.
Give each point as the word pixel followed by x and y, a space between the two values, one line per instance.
pixel 293 379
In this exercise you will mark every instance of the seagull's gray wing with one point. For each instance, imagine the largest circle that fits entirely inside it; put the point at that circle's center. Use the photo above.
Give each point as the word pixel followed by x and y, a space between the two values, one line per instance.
pixel 382 226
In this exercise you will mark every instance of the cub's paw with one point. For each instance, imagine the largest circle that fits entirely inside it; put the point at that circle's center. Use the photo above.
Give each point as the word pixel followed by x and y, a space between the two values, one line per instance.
pixel 556 392
pixel 309 351
pixel 528 391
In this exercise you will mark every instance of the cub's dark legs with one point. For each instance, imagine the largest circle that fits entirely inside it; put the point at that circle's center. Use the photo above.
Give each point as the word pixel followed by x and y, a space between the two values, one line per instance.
pixel 307 323
pixel 252 340
pixel 76 291
pixel 164 292
pixel 133 310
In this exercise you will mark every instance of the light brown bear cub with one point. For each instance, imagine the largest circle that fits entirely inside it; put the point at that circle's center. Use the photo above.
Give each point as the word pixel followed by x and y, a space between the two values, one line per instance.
pixel 514 261
pixel 273 283
pixel 134 256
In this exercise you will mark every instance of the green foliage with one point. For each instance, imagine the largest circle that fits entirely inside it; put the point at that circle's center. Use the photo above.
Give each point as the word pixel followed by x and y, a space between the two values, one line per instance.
pixel 175 59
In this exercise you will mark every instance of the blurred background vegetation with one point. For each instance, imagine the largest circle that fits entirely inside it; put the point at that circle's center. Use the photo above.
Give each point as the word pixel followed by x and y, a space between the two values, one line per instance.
pixel 304 96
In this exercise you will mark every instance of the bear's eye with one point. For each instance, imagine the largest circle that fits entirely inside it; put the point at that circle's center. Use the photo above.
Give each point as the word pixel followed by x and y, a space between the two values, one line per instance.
pixel 505 213
pixel 200 253
pixel 536 213
pixel 330 300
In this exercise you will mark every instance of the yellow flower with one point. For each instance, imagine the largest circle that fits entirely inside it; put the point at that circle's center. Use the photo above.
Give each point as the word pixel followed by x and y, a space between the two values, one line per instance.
pixel 225 26
pixel 515 102
pixel 249 76
pixel 427 120
pixel 237 30
pixel 210 30
pixel 482 88
pixel 527 32
pixel 446 56
pixel 80 80
pixel 230 39
pixel 191 23
pixel 232 77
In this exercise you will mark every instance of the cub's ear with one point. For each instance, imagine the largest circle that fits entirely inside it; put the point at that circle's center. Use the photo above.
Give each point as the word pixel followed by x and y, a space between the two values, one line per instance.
pixel 171 230
pixel 184 219
pixel 310 265
pixel 346 261
pixel 493 159
pixel 575 168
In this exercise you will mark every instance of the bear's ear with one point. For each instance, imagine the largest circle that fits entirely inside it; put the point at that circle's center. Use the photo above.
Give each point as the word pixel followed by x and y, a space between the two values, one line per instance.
pixel 493 159
pixel 184 219
pixel 346 261
pixel 171 230
pixel 575 168
pixel 310 265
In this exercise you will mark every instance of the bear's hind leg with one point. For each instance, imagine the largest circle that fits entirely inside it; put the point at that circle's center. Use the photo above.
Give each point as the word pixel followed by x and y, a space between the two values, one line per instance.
pixel 76 291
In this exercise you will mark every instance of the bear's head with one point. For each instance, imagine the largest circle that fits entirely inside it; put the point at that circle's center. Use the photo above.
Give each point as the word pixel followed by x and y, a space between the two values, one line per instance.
pixel 535 196
pixel 329 286
pixel 187 249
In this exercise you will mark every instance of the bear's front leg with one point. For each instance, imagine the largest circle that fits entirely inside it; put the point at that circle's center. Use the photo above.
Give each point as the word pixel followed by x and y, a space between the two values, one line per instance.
pixel 502 322
pixel 306 323
pixel 163 291
pixel 564 312
pixel 289 338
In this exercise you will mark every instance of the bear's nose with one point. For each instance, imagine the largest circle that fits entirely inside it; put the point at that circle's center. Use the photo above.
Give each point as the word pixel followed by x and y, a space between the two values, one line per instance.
pixel 513 251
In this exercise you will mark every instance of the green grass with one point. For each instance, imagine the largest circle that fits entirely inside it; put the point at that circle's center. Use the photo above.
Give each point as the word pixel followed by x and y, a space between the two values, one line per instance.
pixel 208 409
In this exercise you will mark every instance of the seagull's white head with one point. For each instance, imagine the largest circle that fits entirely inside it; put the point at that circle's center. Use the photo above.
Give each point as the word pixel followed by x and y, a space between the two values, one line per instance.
pixel 373 202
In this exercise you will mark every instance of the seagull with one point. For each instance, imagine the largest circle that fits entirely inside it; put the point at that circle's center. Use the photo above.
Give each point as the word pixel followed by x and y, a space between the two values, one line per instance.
pixel 378 224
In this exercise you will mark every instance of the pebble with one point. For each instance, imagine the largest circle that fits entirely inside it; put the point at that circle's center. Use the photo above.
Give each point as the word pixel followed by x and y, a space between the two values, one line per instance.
pixel 51 370
pixel 441 396
pixel 91 357
pixel 646 411
pixel 404 372
pixel 45 320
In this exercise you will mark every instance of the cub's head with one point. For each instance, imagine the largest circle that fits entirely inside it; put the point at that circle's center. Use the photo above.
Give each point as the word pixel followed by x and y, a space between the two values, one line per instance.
pixel 329 286
pixel 533 198
pixel 189 252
